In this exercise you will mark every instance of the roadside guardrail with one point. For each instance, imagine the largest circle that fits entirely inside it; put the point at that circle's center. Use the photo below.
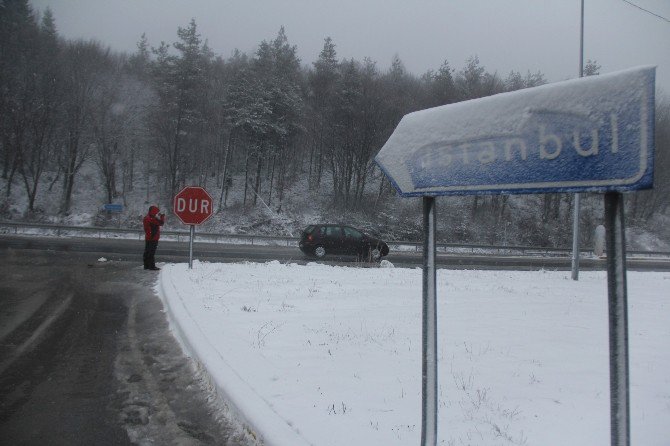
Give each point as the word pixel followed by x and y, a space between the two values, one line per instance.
pixel 8 227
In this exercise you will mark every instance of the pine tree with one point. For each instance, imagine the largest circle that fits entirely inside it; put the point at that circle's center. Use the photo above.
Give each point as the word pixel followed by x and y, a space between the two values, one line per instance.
pixel 322 82
pixel 591 68
pixel 180 82
pixel 276 70
pixel 18 34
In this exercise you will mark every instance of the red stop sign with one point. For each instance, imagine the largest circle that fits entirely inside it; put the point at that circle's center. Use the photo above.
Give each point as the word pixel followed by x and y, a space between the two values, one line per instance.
pixel 193 205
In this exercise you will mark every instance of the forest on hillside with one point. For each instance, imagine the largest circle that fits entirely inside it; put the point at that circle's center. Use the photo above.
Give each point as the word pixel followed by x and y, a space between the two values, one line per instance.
pixel 177 114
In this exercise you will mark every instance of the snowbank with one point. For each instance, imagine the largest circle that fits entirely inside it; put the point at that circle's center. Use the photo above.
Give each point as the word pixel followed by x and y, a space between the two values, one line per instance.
pixel 329 355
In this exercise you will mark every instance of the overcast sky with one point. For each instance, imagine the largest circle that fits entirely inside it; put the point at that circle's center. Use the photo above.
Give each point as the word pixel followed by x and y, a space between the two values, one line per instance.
pixel 521 35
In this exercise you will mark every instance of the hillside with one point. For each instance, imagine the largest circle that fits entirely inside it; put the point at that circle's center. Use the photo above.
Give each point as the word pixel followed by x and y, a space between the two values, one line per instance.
pixel 393 218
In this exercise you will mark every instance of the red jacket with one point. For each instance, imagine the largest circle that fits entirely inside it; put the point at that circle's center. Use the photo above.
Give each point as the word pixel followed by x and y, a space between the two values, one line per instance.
pixel 152 224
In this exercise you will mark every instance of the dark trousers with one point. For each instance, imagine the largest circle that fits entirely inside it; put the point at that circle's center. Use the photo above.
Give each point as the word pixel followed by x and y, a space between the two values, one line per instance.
pixel 150 253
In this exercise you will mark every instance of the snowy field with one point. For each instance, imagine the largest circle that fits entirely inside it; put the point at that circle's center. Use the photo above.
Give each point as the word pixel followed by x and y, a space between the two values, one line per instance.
pixel 329 355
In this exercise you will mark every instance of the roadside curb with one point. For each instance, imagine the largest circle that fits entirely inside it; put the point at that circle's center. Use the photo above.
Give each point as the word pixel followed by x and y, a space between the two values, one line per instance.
pixel 273 430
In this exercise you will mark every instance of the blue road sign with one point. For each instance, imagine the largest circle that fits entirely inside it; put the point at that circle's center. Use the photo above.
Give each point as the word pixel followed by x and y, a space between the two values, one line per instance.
pixel 112 207
pixel 589 134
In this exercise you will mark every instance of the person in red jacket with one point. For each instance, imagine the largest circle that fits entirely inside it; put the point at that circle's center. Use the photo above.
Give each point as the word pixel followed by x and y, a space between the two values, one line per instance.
pixel 152 233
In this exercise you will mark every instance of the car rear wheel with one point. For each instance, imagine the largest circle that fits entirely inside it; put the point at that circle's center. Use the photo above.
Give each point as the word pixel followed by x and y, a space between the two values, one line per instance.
pixel 319 251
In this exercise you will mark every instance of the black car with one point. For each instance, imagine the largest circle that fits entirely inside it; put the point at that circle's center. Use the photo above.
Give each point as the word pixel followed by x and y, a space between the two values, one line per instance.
pixel 319 240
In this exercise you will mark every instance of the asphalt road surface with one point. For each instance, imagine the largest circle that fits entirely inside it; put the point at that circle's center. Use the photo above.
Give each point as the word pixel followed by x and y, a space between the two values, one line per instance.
pixel 86 358
pixel 131 250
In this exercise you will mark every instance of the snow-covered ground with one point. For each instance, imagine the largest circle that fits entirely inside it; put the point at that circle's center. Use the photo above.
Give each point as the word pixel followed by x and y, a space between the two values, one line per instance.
pixel 330 355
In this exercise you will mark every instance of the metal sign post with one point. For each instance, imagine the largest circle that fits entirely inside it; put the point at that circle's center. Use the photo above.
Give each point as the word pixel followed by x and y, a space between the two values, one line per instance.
pixel 575 213
pixel 190 247
pixel 575 239
pixel 429 368
pixel 618 319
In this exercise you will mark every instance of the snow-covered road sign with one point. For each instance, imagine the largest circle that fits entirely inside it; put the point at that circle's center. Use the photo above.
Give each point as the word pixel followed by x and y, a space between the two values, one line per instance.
pixel 589 134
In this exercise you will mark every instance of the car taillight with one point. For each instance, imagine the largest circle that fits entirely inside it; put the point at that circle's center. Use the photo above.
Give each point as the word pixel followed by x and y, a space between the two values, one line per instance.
pixel 310 237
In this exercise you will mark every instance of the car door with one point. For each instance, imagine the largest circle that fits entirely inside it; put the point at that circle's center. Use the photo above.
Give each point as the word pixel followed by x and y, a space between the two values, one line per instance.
pixel 319 234
pixel 334 239
pixel 353 240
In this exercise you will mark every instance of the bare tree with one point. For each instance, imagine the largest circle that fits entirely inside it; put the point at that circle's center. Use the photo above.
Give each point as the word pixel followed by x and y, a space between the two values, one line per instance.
pixel 84 66
pixel 116 117
pixel 42 103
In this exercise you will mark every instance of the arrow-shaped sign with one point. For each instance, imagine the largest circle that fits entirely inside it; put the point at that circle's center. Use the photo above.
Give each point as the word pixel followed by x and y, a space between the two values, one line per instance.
pixel 589 134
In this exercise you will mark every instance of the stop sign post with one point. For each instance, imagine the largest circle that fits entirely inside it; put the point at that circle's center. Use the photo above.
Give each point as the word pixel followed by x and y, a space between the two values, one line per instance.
pixel 193 206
